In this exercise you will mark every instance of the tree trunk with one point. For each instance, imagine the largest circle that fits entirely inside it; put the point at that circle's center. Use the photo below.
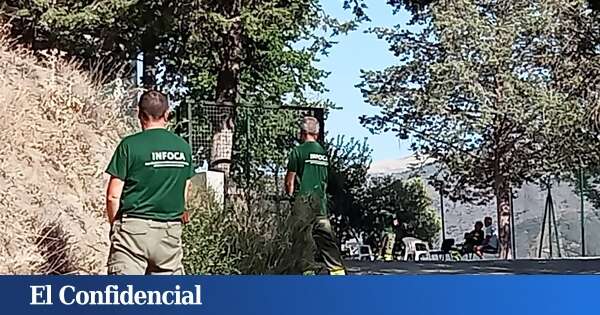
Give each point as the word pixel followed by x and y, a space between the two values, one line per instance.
pixel 149 62
pixel 228 79
pixel 504 215
pixel 149 71
pixel 501 184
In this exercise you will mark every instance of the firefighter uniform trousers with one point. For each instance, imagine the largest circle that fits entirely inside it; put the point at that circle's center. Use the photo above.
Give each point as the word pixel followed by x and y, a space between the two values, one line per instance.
pixel 387 246
pixel 313 239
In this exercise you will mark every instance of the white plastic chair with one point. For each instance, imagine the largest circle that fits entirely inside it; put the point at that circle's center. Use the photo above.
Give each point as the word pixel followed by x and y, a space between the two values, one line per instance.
pixel 365 253
pixel 360 252
pixel 415 248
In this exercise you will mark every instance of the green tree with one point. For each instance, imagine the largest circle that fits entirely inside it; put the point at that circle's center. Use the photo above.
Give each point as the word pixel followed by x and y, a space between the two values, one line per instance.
pixel 472 94
pixel 413 6
pixel 361 205
pixel 228 53
pixel 263 141
pixel 575 71
pixel 349 163
pixel 386 198
pixel 360 7
pixel 256 58
pixel 105 35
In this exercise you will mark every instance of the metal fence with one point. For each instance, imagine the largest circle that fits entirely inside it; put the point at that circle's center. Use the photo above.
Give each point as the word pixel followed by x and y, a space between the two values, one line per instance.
pixel 254 141
pixel 555 221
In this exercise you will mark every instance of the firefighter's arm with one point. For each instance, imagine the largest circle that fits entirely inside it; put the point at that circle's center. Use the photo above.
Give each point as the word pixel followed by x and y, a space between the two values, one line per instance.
pixel 113 197
pixel 185 218
pixel 290 179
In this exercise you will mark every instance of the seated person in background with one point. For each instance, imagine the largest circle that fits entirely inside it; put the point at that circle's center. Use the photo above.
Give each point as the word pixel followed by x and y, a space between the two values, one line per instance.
pixel 467 236
pixel 490 243
pixel 473 239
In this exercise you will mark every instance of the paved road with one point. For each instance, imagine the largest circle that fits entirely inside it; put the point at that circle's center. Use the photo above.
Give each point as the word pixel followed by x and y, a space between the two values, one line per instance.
pixel 556 266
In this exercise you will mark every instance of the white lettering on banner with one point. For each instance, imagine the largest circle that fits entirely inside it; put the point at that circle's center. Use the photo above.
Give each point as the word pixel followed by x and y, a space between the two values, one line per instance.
pixel 113 295
pixel 41 291
pixel 154 297
pixel 140 297
pixel 167 300
pixel 82 297
pixel 62 296
pixel 167 159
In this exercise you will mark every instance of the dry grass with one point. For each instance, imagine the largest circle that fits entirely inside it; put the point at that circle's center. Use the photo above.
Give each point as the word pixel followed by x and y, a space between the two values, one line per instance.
pixel 59 128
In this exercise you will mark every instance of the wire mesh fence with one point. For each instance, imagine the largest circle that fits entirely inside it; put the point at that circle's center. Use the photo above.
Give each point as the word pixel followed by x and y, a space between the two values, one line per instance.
pixel 549 221
pixel 555 222
pixel 248 143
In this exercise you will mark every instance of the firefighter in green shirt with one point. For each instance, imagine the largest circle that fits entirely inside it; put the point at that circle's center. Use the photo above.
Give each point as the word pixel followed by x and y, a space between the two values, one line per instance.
pixel 308 167
pixel 150 176
pixel 388 241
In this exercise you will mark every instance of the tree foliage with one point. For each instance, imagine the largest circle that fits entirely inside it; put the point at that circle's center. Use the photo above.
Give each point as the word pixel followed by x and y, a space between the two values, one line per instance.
pixel 413 6
pixel 386 198
pixel 361 206
pixel 107 34
pixel 477 90
pixel 349 163
pixel 360 7
pixel 262 144
pixel 118 30
pixel 229 53
pixel 255 61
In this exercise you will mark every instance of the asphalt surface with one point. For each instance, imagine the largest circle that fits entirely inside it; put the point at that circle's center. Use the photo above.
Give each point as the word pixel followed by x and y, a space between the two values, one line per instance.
pixel 477 267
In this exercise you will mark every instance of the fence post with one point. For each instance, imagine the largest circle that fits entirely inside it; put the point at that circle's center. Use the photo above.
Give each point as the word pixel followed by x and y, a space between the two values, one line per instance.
pixel 582 213
pixel 556 231
pixel 442 213
pixel 550 208
pixel 189 129
pixel 542 232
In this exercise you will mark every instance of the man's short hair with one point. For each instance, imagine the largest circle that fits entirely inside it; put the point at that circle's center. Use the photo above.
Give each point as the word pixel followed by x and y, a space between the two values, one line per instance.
pixel 310 125
pixel 153 105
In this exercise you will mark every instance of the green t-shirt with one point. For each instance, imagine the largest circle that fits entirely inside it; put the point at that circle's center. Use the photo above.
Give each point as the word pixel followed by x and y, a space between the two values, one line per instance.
pixel 310 163
pixel 155 165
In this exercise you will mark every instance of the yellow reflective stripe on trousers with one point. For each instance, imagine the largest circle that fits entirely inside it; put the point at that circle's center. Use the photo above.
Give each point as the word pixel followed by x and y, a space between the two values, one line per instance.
pixel 338 272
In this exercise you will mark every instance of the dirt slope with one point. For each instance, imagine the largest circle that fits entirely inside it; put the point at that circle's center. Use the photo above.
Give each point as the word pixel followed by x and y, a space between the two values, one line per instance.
pixel 58 129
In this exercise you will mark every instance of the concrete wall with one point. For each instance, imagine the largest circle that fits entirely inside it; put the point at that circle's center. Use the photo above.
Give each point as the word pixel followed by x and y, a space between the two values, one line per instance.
pixel 215 181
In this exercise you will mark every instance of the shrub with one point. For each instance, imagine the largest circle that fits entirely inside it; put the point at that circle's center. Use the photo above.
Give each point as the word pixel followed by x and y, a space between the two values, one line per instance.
pixel 208 239
pixel 245 237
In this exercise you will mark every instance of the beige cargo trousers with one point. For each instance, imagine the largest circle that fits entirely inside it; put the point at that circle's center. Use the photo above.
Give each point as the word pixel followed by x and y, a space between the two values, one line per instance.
pixel 145 247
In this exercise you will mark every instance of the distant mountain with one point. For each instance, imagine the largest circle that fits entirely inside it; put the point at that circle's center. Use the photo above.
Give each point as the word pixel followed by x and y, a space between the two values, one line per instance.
pixel 528 207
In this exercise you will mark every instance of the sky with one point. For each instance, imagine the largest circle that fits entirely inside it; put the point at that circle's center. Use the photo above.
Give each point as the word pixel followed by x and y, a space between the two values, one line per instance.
pixel 354 52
